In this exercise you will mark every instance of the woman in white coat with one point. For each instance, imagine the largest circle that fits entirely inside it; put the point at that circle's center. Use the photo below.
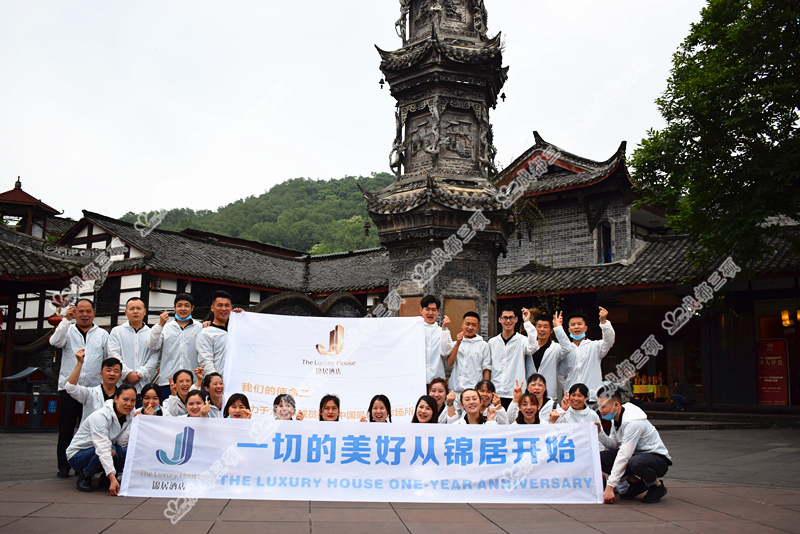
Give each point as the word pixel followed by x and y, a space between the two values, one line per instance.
pixel 471 404
pixel 537 385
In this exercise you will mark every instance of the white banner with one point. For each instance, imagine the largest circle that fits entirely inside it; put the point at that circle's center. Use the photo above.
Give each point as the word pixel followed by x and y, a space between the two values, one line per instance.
pixel 190 458
pixel 309 357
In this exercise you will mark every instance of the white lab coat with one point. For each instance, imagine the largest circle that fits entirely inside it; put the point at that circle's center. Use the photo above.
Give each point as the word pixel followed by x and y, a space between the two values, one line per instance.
pixel 501 417
pixel 508 362
pixel 585 359
pixel 554 356
pixel 176 348
pixel 438 344
pixel 133 349
pixel 635 435
pixel 544 411
pixel 463 421
pixel 587 415
pixel 101 430
pixel 472 359
pixel 211 349
pixel 175 405
pixel 68 338
pixel 91 398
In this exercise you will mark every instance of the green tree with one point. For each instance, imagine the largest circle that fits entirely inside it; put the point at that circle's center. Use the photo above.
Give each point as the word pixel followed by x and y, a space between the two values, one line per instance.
pixel 728 159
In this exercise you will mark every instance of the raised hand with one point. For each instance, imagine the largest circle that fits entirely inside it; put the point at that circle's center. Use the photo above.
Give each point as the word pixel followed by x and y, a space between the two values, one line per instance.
pixel 460 337
pixel 300 415
pixel 198 372
pixel 247 413
pixel 451 397
pixel 363 419
pixel 445 321
pixel 496 400
pixel 565 401
pixel 526 315
pixel 603 314
pixel 148 410
pixel 206 324
pixel 517 390
pixel 558 319
pixel 70 313
pixel 206 409
pixel 163 318
pixel 173 387
pixel 554 415
pixel 80 356
pixel 491 413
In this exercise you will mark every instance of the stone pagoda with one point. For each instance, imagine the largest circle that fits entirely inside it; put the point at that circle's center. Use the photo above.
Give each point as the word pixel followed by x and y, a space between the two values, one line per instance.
pixel 441 220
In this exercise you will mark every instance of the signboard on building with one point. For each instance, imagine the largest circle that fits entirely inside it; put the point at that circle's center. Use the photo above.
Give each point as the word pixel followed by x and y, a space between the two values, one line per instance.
pixel 773 372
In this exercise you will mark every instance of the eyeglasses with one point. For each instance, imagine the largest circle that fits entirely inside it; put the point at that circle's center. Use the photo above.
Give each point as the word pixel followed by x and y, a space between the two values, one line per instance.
pixel 505 318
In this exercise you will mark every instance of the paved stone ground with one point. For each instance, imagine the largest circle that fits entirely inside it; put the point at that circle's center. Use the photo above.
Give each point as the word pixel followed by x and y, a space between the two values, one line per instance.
pixel 742 481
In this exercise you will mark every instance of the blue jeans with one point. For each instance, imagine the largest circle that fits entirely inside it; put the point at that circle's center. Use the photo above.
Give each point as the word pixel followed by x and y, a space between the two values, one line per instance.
pixel 680 401
pixel 88 462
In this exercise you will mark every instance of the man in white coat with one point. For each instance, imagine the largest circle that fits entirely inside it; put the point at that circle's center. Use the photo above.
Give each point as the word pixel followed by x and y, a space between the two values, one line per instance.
pixel 102 441
pixel 130 344
pixel 211 341
pixel 585 355
pixel 545 355
pixel 509 351
pixel 438 341
pixel 93 398
pixel 75 332
pixel 175 342
pixel 636 458
pixel 470 358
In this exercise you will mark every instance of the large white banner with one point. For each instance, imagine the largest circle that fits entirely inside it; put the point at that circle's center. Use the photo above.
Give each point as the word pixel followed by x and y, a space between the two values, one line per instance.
pixel 309 357
pixel 190 458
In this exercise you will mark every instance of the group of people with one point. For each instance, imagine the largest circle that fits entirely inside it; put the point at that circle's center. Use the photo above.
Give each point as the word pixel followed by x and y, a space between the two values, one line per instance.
pixel 107 379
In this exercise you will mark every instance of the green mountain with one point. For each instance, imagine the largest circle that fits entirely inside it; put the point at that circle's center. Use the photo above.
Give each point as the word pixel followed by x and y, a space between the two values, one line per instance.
pixel 316 216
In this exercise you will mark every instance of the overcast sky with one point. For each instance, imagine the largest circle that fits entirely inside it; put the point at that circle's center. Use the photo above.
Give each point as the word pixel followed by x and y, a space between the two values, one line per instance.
pixel 118 106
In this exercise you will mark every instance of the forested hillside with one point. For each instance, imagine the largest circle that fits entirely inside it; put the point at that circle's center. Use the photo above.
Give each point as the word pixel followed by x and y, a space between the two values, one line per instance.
pixel 317 216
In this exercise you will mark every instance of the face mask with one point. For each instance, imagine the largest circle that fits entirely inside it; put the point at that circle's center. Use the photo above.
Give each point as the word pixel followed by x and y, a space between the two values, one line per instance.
pixel 577 338
pixel 185 319
pixel 610 416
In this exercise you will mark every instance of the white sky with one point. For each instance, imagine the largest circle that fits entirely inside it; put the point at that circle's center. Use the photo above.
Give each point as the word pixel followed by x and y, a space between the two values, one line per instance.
pixel 119 106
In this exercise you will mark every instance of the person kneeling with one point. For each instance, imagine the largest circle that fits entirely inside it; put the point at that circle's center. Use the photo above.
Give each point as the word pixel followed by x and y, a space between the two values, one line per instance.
pixel 636 456
pixel 102 439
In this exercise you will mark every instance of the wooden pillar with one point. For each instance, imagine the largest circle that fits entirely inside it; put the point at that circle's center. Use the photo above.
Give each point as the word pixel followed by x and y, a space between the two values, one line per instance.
pixel 8 350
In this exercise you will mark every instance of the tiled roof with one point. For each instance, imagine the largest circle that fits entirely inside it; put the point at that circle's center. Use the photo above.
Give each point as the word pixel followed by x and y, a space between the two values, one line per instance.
pixel 59 225
pixel 569 171
pixel 208 258
pixel 460 193
pixel 18 196
pixel 479 52
pixel 660 260
pixel 23 256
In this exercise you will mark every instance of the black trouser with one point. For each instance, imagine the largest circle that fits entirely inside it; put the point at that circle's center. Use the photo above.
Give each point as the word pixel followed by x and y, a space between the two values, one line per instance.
pixel 647 466
pixel 506 402
pixel 69 411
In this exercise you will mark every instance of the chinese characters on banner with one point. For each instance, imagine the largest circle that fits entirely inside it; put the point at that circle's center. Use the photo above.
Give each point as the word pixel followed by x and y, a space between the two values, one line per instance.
pixel 773 372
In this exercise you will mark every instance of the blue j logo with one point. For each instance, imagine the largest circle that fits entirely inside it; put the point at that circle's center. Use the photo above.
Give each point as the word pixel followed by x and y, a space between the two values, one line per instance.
pixel 183 449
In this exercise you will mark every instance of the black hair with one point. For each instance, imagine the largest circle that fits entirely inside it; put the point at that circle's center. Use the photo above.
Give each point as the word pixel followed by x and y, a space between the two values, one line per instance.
pixel 177 373
pixel 184 296
pixel 233 398
pixel 193 393
pixel 221 294
pixel 85 300
pixel 610 392
pixel 509 308
pixel 581 388
pixel 520 416
pixel 135 298
pixel 488 383
pixel 544 317
pixel 207 380
pixel 284 397
pixel 481 417
pixel 157 389
pixel 472 314
pixel 441 381
pixel 577 315
pixel 385 400
pixel 325 401
pixel 124 387
pixel 111 362
pixel 431 402
pixel 536 376
pixel 430 299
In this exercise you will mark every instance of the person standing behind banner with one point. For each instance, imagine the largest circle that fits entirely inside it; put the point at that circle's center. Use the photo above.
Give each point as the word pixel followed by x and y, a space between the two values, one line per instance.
pixel 175 342
pixel 438 341
pixel 485 389
pixel 214 389
pixel 470 357
pixel 284 408
pixel 195 403
pixel 380 410
pixel 75 332
pixel 546 356
pixel 426 410
pixel 586 355
pixel 509 351
pixel 471 402
pixel 537 385
pixel 211 341
pixel 237 407
pixel 130 344
pixel 101 441
pixel 573 409
pixel 179 386
pixel 329 408
pixel 151 402
pixel 437 389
